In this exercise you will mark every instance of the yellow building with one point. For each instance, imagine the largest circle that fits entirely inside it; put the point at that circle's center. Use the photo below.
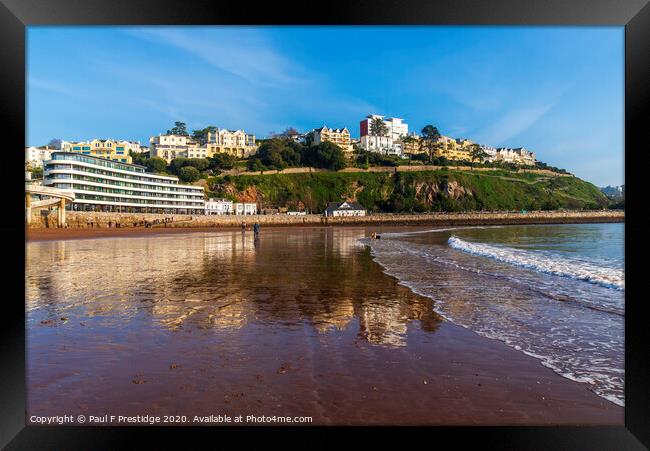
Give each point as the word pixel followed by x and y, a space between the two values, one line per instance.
pixel 411 145
pixel 338 136
pixel 454 149
pixel 103 148
pixel 232 142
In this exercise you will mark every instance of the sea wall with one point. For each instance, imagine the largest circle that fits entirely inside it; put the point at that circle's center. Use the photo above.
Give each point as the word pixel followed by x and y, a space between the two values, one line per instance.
pixel 103 220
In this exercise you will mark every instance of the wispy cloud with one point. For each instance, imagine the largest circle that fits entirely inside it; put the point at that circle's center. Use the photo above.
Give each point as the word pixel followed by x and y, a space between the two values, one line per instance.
pixel 245 53
pixel 512 123
pixel 48 85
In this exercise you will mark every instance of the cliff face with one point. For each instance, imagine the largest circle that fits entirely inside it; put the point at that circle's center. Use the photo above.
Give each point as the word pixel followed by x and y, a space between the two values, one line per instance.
pixel 413 191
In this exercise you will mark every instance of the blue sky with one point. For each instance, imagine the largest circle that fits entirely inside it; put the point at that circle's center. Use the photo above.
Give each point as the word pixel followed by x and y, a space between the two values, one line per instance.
pixel 558 91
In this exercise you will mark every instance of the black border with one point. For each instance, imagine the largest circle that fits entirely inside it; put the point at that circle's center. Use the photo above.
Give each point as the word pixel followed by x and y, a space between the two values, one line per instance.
pixel 633 14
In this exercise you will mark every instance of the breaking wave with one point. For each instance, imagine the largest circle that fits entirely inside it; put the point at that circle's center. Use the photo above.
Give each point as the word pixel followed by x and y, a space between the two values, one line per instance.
pixel 560 266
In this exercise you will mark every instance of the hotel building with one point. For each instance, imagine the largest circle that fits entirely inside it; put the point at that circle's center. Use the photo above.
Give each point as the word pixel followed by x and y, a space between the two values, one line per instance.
pixel 518 155
pixel 455 149
pixel 103 148
pixel 169 147
pixel 338 136
pixel 35 156
pixel 101 184
pixel 388 144
pixel 232 142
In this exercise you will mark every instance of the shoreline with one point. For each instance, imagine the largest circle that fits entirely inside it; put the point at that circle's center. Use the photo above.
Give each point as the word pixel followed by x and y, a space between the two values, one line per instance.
pixel 353 360
pixel 78 230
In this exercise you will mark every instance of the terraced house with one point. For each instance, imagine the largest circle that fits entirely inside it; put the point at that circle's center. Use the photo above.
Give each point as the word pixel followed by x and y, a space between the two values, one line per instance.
pixel 338 136
pixel 100 184
pixel 103 148
pixel 169 147
pixel 237 143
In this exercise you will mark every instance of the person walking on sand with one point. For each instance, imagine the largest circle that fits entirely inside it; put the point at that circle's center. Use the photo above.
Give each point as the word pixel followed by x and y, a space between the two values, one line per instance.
pixel 256 230
pixel 243 227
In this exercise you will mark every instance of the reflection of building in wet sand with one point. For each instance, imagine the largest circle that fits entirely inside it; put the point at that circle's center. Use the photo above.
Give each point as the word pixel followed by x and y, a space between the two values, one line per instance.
pixel 337 317
pixel 383 323
pixel 344 241
pixel 226 280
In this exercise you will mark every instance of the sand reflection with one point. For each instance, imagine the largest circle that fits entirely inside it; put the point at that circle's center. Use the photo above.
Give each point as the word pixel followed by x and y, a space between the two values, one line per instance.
pixel 323 278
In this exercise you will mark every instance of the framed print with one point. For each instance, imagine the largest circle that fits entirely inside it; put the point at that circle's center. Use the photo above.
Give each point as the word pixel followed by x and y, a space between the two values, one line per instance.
pixel 372 215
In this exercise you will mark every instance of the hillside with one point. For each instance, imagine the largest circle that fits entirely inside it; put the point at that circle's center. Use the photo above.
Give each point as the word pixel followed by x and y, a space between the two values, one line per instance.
pixel 424 191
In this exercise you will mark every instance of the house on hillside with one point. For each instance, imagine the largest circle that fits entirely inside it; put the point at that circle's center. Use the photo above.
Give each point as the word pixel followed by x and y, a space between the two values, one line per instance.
pixel 346 208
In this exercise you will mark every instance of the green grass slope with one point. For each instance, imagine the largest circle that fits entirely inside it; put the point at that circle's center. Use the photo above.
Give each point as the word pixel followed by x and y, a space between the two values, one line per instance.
pixel 423 191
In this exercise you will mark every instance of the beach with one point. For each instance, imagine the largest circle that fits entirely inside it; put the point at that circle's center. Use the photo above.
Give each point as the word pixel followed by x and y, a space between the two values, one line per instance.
pixel 301 322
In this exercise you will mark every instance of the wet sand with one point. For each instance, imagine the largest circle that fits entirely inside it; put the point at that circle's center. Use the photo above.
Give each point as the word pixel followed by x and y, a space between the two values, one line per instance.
pixel 301 322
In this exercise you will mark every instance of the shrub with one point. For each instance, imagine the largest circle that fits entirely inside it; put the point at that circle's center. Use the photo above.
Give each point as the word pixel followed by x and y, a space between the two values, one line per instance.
pixel 189 174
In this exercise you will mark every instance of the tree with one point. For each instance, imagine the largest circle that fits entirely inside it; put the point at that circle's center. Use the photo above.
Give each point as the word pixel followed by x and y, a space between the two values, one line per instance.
pixel 325 155
pixel 180 128
pixel 201 164
pixel 289 131
pixel 138 158
pixel 254 164
pixel 201 136
pixel 156 164
pixel 378 127
pixel 476 152
pixel 222 161
pixel 408 142
pixel 430 140
pixel 189 174
pixel 54 143
pixel 177 164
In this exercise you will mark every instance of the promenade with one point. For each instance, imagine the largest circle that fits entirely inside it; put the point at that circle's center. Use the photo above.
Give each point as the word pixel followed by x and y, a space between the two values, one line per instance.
pixel 85 220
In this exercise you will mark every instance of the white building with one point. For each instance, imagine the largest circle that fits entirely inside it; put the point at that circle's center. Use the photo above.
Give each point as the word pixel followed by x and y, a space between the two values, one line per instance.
pixel 169 147
pixel 490 151
pixel 35 156
pixel 346 208
pixel 218 207
pixel 101 184
pixel 389 144
pixel 240 208
pixel 518 155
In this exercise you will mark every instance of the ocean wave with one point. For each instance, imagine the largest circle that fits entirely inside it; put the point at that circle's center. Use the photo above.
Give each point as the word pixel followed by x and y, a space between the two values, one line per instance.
pixel 443 229
pixel 559 266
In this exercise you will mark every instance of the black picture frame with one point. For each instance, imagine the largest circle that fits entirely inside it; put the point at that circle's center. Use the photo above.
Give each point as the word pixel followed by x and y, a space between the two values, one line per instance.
pixel 634 15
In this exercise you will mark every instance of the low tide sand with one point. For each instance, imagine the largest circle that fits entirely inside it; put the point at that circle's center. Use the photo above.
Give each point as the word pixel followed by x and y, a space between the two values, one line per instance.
pixel 301 322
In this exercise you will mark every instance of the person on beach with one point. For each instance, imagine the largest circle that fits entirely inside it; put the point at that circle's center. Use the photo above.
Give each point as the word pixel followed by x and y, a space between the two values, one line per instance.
pixel 256 229
pixel 243 226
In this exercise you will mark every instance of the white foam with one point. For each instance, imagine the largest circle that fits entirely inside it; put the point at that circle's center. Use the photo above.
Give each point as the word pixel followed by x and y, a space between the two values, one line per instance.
pixel 443 229
pixel 559 266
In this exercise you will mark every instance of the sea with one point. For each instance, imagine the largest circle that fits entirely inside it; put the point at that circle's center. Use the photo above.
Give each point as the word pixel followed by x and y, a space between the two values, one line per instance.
pixel 553 292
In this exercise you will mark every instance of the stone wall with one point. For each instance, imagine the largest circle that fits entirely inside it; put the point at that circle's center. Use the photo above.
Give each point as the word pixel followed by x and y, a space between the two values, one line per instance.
pixel 91 219
pixel 414 168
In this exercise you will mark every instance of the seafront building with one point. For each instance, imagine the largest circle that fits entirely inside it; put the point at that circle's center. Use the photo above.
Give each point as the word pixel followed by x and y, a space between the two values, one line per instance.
pixel 101 184
pixel 232 142
pixel 228 207
pixel 338 136
pixel 347 208
pixel 237 143
pixel 218 207
pixel 454 149
pixel 104 148
pixel 170 146
pixel 490 151
pixel 244 208
pixel 390 143
pixel 518 155
pixel 35 156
